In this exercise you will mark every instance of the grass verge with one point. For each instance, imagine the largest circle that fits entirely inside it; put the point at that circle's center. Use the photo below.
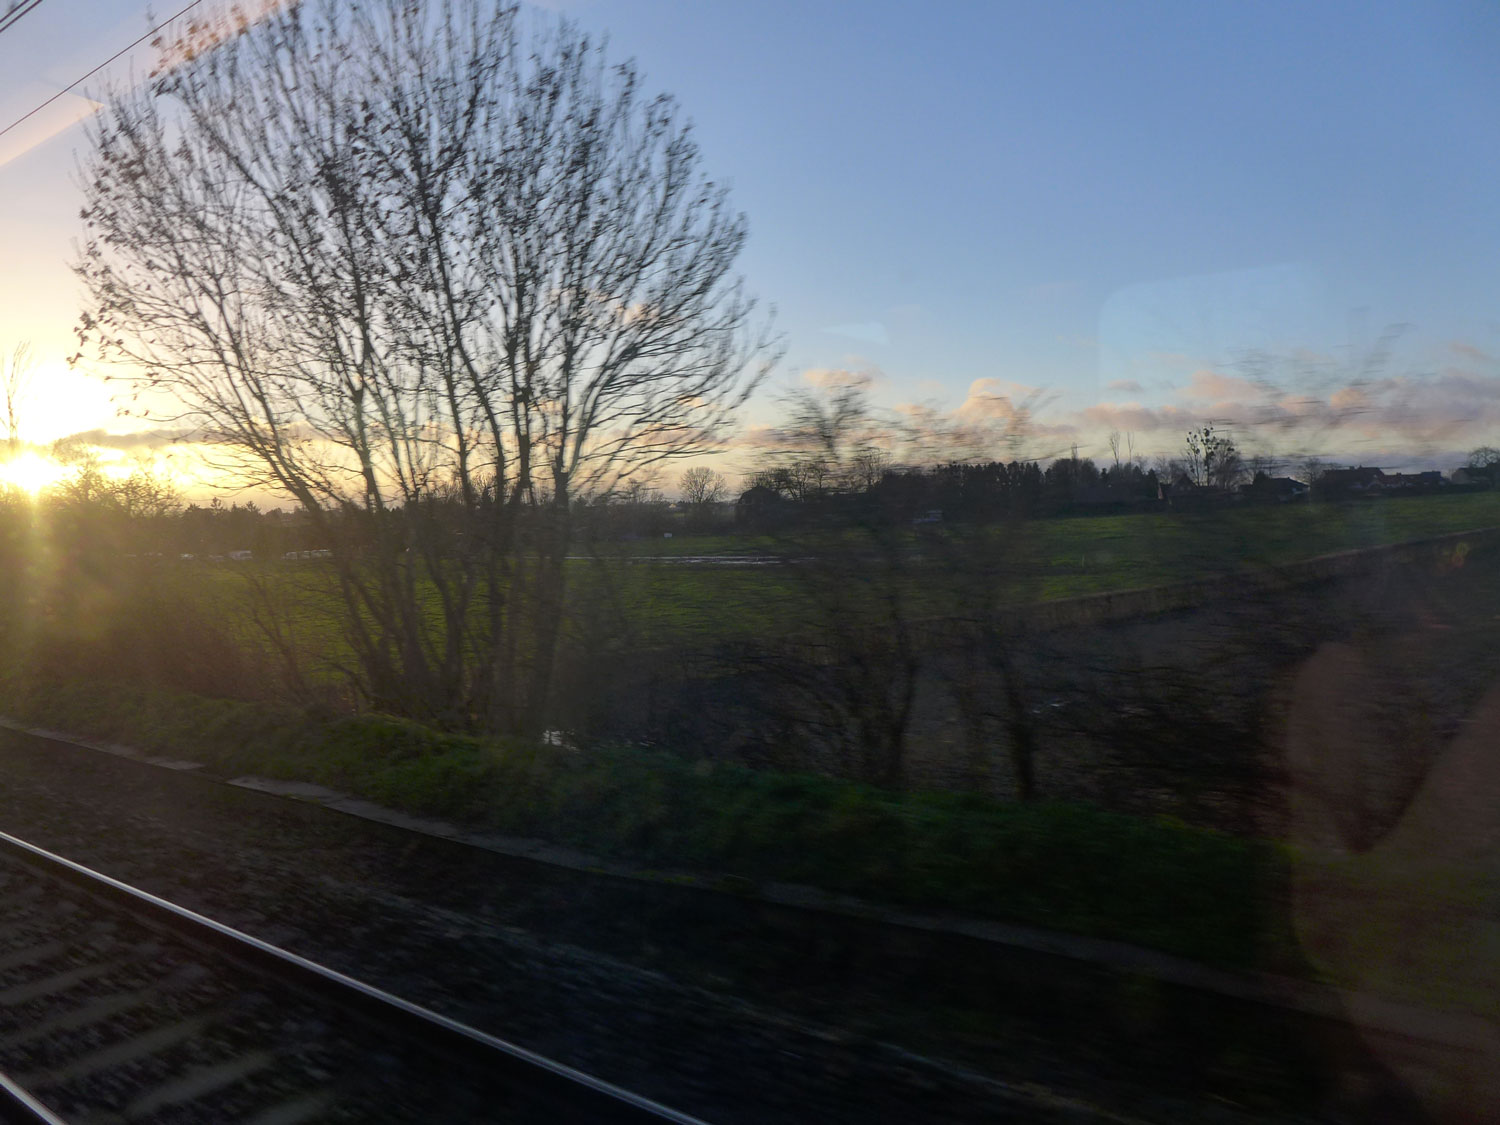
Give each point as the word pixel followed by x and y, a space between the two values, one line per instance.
pixel 1183 890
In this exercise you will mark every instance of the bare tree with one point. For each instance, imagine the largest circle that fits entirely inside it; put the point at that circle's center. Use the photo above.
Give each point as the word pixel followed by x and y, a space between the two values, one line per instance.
pixel 833 441
pixel 701 486
pixel 15 380
pixel 867 467
pixel 640 489
pixel 435 284
pixel 1212 459
pixel 1311 469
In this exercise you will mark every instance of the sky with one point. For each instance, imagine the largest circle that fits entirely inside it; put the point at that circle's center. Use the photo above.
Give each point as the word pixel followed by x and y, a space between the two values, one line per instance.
pixel 1278 218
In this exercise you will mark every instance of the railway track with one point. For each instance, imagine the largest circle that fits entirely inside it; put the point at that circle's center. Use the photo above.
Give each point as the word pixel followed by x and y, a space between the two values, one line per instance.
pixel 117 1006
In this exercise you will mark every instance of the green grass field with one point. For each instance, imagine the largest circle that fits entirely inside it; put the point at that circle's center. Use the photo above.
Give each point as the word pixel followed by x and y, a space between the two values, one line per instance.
pixel 622 597
pixel 1041 559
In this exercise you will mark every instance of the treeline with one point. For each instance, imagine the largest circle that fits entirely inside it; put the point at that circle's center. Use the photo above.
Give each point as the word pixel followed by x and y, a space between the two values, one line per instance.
pixel 91 515
pixel 979 492
pixel 993 490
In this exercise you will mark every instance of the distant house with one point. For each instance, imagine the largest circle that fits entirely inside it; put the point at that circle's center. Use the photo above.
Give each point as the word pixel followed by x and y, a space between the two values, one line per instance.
pixel 1407 482
pixel 1363 481
pixel 1279 490
pixel 1179 485
pixel 1346 482
pixel 1426 481
pixel 1474 477
pixel 1183 495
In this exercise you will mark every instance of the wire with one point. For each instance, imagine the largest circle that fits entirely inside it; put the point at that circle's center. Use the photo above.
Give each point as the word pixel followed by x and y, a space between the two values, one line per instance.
pixel 97 69
pixel 16 11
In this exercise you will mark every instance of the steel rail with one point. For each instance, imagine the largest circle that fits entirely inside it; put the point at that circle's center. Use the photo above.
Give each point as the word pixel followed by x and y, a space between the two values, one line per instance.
pixel 18 1105
pixel 591 1098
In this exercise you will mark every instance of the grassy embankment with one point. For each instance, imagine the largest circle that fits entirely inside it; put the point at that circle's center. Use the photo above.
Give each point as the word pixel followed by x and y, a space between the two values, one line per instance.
pixel 1196 893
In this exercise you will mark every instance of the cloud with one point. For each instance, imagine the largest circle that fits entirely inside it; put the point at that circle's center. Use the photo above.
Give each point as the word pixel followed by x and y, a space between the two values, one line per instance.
pixel 984 389
pixel 985 427
pixel 178 42
pixel 1349 398
pixel 1411 414
pixel 1001 408
pixel 1015 408
pixel 136 441
pixel 1215 387
pixel 831 378
pixel 1132 417
pixel 757 439
pixel 1332 412
pixel 1469 351
pixel 45 123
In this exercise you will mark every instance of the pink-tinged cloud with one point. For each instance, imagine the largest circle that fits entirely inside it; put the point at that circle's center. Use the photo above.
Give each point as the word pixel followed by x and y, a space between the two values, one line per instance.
pixel 45 123
pixel 1132 417
pixel 1469 351
pixel 756 439
pixel 1349 398
pixel 1211 386
pixel 998 407
pixel 1417 412
pixel 834 378
pixel 984 392
pixel 1015 410
pixel 178 42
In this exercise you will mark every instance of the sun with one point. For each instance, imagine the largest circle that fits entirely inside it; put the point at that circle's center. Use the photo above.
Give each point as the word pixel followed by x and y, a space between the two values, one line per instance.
pixel 30 472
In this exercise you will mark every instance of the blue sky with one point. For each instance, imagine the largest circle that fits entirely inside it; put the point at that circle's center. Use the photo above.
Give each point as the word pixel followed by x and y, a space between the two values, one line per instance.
pixel 1079 195
pixel 1118 205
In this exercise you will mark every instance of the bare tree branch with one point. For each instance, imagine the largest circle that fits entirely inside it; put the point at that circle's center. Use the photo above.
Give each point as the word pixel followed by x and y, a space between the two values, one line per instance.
pixel 433 282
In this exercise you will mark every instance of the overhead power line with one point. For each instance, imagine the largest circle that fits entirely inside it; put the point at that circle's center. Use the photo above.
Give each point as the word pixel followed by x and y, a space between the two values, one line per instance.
pixel 85 77
pixel 15 11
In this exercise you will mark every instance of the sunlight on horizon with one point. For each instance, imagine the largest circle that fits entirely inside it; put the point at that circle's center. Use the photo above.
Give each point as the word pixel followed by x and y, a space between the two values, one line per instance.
pixel 31 472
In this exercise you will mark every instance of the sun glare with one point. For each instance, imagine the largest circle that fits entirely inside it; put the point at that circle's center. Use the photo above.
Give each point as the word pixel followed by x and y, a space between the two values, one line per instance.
pixel 30 472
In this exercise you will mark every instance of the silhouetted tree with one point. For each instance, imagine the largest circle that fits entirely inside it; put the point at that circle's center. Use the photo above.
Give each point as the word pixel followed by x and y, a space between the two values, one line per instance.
pixel 390 260
pixel 701 486
pixel 1211 458
pixel 15 379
